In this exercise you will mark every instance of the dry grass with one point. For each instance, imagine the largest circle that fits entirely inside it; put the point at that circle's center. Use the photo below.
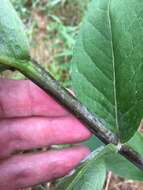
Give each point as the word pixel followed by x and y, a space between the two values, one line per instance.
pixel 117 183
pixel 113 182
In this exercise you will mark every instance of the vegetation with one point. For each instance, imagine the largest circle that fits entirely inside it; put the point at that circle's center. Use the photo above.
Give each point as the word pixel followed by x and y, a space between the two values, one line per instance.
pixel 52 32
pixel 65 32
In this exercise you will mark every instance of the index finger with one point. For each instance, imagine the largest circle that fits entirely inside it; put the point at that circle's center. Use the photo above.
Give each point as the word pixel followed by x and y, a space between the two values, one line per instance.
pixel 24 99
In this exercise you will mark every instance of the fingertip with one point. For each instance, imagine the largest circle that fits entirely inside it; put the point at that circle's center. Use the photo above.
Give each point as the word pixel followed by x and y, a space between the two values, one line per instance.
pixel 78 129
pixel 31 169
pixel 85 151
pixel 79 153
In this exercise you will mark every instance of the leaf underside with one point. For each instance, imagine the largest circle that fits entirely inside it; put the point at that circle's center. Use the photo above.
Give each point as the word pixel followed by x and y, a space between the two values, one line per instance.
pixel 107 64
pixel 13 40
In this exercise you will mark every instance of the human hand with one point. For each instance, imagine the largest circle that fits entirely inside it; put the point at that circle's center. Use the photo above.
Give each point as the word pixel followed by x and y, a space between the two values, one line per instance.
pixel 30 119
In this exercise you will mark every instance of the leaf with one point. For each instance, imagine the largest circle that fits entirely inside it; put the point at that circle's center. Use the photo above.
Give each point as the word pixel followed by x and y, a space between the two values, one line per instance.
pixel 107 64
pixel 13 40
pixel 90 174
pixel 136 142
pixel 93 143
pixel 122 166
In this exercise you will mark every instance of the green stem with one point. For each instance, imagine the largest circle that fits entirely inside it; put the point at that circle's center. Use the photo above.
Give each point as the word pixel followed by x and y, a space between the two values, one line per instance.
pixel 50 85
pixel 44 80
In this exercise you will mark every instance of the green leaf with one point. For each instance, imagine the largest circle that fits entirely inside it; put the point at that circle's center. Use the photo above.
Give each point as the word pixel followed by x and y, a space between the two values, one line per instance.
pixel 90 174
pixel 119 165
pixel 93 143
pixel 122 166
pixel 108 64
pixel 13 40
pixel 136 142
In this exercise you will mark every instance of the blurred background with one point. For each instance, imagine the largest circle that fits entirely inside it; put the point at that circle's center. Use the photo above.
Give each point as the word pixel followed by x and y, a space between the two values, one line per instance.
pixel 52 27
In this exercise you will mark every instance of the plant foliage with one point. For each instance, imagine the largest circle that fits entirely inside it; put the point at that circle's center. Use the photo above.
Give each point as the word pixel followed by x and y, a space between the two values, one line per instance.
pixel 108 62
pixel 107 78
pixel 107 73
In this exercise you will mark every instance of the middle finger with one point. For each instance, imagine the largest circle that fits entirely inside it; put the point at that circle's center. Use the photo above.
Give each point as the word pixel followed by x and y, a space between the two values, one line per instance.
pixel 37 132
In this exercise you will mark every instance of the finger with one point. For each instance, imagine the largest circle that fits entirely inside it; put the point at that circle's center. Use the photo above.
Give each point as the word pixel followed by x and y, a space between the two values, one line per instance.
pixel 23 98
pixel 24 171
pixel 28 133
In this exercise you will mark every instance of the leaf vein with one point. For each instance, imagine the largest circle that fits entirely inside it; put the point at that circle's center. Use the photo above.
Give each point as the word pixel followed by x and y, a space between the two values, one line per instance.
pixel 114 69
pixel 101 71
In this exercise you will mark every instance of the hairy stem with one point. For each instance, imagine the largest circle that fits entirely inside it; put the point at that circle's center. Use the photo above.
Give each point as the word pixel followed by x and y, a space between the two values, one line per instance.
pixel 44 80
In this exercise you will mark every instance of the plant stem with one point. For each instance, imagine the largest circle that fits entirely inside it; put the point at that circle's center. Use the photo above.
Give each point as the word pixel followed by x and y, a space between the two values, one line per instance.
pixel 44 80
pixel 131 155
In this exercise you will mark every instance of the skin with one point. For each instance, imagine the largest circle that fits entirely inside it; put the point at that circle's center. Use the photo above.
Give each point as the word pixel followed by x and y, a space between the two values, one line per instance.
pixel 30 119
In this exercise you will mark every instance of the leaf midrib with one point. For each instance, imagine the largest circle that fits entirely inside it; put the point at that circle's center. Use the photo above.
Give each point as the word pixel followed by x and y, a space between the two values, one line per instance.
pixel 114 70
